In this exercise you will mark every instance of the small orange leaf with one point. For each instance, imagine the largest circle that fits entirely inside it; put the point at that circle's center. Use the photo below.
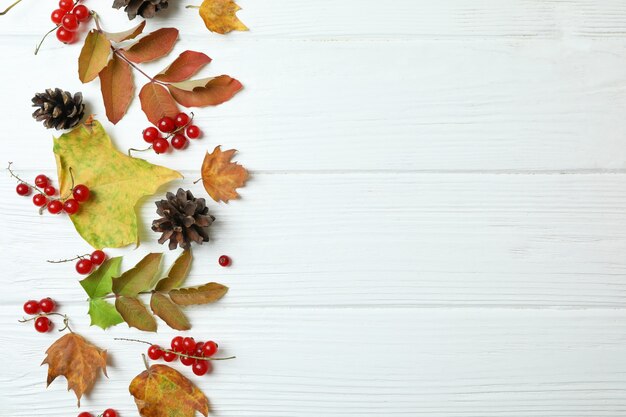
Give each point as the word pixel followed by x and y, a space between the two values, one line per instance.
pixel 205 92
pixel 183 67
pixel 221 177
pixel 93 56
pixel 152 46
pixel 156 102
pixel 116 83
pixel 127 34
pixel 219 16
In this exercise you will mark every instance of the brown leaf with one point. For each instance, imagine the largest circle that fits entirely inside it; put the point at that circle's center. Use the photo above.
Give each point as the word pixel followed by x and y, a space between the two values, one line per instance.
pixel 94 56
pixel 219 16
pixel 135 314
pixel 77 360
pixel 204 294
pixel 162 391
pixel 152 46
pixel 127 34
pixel 177 273
pixel 205 92
pixel 169 312
pixel 116 84
pixel 221 177
pixel 156 102
pixel 141 277
pixel 186 65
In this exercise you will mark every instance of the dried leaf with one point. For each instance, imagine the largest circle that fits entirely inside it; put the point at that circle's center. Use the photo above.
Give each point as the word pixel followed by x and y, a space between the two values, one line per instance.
pixel 116 84
pixel 127 34
pixel 99 282
pixel 177 273
pixel 152 46
pixel 116 181
pixel 156 102
pixel 77 360
pixel 140 278
pixel 162 391
pixel 205 92
pixel 221 177
pixel 103 314
pixel 135 314
pixel 94 56
pixel 219 16
pixel 204 294
pixel 186 65
pixel 169 312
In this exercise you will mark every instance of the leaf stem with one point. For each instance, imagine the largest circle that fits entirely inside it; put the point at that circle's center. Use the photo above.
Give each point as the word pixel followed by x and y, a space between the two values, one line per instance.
pixel 184 355
pixel 192 6
pixel 10 7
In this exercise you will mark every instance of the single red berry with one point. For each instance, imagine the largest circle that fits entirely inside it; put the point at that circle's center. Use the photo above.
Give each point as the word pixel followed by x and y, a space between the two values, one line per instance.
pixel 166 124
pixel 169 356
pixel 109 412
pixel 224 260
pixel 57 16
pixel 85 414
pixel 200 367
pixel 67 5
pixel 97 257
pixel 22 189
pixel 177 344
pixel 81 12
pixel 181 119
pixel 50 190
pixel 41 181
pixel 70 22
pixel 39 200
pixel 84 266
pixel 186 360
pixel 209 349
pixel 150 134
pixel 55 207
pixel 47 305
pixel 193 132
pixel 81 193
pixel 155 352
pixel 65 36
pixel 160 145
pixel 179 141
pixel 71 206
pixel 189 345
pixel 42 324
pixel 31 307
pixel 198 350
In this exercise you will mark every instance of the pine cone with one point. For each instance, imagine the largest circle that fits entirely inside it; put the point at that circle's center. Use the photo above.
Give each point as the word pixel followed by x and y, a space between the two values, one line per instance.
pixel 183 219
pixel 58 109
pixel 143 8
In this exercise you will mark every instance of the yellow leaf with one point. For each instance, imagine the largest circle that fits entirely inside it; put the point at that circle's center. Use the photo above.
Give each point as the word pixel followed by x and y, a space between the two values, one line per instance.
pixel 221 177
pixel 219 16
pixel 94 56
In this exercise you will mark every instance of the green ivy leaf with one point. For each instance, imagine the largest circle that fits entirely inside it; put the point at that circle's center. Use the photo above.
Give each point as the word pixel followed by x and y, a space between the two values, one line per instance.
pixel 99 283
pixel 177 273
pixel 103 314
pixel 140 278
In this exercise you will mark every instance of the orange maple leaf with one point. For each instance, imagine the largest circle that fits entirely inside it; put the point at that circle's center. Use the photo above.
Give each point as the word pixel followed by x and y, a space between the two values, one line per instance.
pixel 221 177
pixel 219 16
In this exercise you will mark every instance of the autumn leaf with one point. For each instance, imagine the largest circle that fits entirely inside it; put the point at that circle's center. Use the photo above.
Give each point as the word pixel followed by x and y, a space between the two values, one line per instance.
pixel 185 66
pixel 116 181
pixel 116 84
pixel 140 278
pixel 177 273
pixel 135 314
pixel 219 16
pixel 203 294
pixel 162 391
pixel 152 46
pixel 94 56
pixel 77 360
pixel 127 34
pixel 97 285
pixel 221 177
pixel 169 312
pixel 156 102
pixel 205 92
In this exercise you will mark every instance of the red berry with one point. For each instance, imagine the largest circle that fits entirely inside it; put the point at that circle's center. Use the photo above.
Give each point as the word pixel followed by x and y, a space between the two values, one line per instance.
pixel 39 200
pixel 42 324
pixel 166 124
pixel 81 12
pixel 209 349
pixel 179 141
pixel 181 119
pixel 67 5
pixel 85 414
pixel 65 36
pixel 109 412
pixel 186 360
pixel 84 266
pixel 97 257
pixel 189 345
pixel 57 16
pixel 50 190
pixel 41 181
pixel 55 207
pixel 81 193
pixel 198 350
pixel 169 356
pixel 224 260
pixel 47 305
pixel 155 352
pixel 31 307
pixel 22 189
pixel 193 132
pixel 71 206
pixel 70 22
pixel 160 145
pixel 177 344
pixel 200 367
pixel 150 134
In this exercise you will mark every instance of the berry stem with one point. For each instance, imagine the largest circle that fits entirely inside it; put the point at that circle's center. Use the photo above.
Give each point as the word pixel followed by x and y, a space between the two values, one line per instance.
pixel 9 8
pixel 66 320
pixel 181 128
pixel 138 150
pixel 184 355
pixel 14 175
pixel 60 261
pixel 38 47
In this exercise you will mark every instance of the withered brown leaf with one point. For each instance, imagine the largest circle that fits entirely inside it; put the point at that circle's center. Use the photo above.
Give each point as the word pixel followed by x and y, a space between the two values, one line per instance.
pixel 219 16
pixel 220 176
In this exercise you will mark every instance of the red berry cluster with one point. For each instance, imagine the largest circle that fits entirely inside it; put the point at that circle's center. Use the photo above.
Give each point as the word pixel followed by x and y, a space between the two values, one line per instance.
pixel 46 196
pixel 86 264
pixel 45 306
pixel 175 130
pixel 68 17
pixel 190 352
pixel 109 412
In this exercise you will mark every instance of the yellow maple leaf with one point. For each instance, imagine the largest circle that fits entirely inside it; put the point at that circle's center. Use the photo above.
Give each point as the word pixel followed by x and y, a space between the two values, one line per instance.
pixel 221 177
pixel 219 16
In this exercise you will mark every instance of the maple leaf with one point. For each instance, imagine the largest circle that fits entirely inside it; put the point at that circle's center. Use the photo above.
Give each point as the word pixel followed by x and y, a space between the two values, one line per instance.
pixel 77 360
pixel 162 391
pixel 221 177
pixel 219 16
pixel 117 182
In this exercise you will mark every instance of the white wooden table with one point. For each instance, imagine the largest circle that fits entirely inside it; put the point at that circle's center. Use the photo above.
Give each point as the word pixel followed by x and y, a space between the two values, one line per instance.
pixel 435 224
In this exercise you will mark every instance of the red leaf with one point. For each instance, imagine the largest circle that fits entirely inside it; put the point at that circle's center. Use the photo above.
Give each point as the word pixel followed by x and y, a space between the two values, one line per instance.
pixel 206 92
pixel 127 34
pixel 116 83
pixel 156 102
pixel 152 46
pixel 183 67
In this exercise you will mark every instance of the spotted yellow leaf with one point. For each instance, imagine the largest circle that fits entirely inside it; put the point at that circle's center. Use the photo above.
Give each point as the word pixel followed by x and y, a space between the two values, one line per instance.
pixel 219 16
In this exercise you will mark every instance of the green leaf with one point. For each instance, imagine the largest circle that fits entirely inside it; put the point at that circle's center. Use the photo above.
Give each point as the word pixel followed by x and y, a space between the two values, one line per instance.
pixel 99 283
pixel 103 314
pixel 135 314
pixel 204 294
pixel 169 312
pixel 177 274
pixel 140 278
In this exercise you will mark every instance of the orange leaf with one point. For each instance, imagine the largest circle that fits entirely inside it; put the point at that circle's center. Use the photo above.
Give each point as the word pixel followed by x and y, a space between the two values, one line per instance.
pixel 219 16
pixel 205 92
pixel 183 67
pixel 152 46
pixel 77 360
pixel 221 177
pixel 162 391
pixel 116 83
pixel 156 102
pixel 127 34
pixel 94 56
